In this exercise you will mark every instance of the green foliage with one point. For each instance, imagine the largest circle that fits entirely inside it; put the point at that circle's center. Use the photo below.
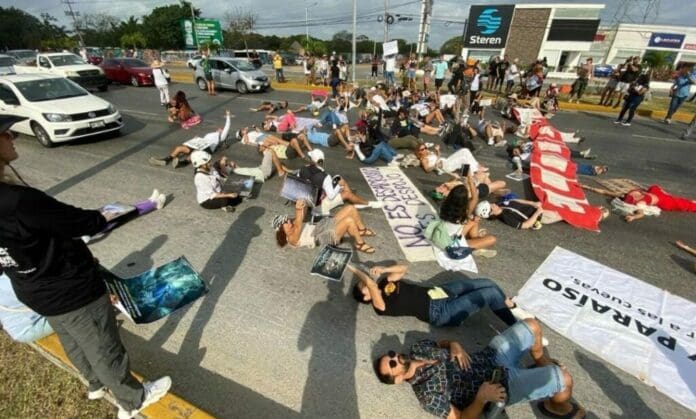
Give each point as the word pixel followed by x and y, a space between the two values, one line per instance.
pixel 658 60
pixel 162 27
pixel 22 30
pixel 452 46
pixel 133 40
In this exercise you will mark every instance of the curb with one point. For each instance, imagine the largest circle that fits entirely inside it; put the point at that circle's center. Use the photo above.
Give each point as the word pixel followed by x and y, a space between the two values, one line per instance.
pixel 170 406
pixel 181 77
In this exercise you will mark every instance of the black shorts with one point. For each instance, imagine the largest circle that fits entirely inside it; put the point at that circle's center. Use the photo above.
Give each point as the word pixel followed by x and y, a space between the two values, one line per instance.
pixel 483 191
pixel 209 76
pixel 217 203
pixel 438 82
pixel 287 136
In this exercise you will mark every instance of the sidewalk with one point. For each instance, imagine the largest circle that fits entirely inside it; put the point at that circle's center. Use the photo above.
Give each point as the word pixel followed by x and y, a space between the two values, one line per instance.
pixel 187 77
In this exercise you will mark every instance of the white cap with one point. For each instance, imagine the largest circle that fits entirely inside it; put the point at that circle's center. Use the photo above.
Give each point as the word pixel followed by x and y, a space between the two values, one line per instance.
pixel 483 209
pixel 199 158
pixel 316 155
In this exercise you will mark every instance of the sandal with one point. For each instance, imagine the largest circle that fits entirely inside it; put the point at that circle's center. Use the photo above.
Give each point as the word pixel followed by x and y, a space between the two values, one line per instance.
pixel 364 247
pixel 366 232
pixel 570 415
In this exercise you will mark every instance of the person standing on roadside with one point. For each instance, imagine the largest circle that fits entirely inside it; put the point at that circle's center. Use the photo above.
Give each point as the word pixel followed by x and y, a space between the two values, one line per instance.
pixel 634 97
pixel 53 273
pixel 160 79
pixel 389 68
pixel 208 73
pixel 580 84
pixel 440 69
pixel 628 75
pixel 278 67
pixel 375 65
pixel 679 90
pixel 501 72
pixel 511 74
pixel 492 72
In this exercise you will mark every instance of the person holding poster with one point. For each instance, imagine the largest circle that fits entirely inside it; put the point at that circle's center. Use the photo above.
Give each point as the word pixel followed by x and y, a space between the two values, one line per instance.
pixel 53 273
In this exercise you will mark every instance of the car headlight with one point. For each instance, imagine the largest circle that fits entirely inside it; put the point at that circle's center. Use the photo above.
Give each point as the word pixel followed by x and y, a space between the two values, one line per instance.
pixel 100 70
pixel 57 117
pixel 111 109
pixel 142 74
pixel 72 74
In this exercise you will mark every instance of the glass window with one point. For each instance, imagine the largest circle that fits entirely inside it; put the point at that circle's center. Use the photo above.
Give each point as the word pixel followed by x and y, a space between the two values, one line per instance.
pixel 67 59
pixel 576 13
pixel 49 89
pixel 7 95
pixel 43 62
pixel 623 54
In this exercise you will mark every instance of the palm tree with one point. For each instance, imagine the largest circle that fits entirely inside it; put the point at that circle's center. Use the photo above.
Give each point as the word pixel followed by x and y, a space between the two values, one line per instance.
pixel 659 63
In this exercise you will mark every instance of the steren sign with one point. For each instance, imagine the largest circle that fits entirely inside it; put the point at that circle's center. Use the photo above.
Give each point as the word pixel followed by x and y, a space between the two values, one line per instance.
pixel 488 26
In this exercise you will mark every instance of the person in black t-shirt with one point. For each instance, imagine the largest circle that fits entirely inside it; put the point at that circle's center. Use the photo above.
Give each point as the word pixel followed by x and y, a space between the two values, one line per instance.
pixel 446 305
pixel 53 273
pixel 517 213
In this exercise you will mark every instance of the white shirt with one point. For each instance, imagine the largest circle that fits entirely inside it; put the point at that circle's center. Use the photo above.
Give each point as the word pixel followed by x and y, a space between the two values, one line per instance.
pixel 390 64
pixel 254 138
pixel 512 72
pixel 211 140
pixel 207 185
pixel 158 75
pixel 475 83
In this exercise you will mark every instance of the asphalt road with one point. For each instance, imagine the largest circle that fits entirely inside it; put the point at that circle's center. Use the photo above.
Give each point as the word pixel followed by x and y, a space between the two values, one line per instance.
pixel 269 340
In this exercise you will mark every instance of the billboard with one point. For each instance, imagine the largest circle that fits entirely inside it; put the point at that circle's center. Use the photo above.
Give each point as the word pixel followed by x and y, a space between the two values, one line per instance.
pixel 582 30
pixel 204 31
pixel 666 40
pixel 488 26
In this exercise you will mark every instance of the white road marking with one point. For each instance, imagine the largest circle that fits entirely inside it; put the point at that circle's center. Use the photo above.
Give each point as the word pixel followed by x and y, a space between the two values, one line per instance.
pixel 671 140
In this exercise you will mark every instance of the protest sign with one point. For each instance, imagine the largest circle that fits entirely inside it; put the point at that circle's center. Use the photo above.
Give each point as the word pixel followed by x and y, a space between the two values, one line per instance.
pixel 390 48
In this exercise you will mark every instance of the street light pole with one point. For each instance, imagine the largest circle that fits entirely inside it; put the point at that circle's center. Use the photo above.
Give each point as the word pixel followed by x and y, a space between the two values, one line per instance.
pixel 306 20
pixel 355 24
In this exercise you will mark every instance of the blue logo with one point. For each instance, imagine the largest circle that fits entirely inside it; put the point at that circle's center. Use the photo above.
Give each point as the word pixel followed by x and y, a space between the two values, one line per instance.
pixel 488 22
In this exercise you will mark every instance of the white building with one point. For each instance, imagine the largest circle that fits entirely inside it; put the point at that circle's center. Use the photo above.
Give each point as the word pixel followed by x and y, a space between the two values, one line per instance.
pixel 635 39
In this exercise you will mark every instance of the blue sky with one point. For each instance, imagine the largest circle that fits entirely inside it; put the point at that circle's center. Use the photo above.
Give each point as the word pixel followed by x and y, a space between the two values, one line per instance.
pixel 273 14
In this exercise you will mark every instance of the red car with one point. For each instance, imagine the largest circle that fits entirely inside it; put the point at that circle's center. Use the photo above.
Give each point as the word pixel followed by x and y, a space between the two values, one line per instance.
pixel 128 70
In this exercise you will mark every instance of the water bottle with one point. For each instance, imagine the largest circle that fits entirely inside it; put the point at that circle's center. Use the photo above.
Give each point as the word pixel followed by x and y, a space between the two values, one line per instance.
pixel 495 410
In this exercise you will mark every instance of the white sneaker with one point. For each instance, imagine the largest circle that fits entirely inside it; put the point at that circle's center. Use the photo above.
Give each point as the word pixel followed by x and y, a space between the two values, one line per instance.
pixel 430 145
pixel 375 204
pixel 586 153
pixel 520 313
pixel 154 390
pixel 500 143
pixel 399 157
pixel 97 394
pixel 490 141
pixel 155 194
pixel 393 163
pixel 486 253
pixel 160 201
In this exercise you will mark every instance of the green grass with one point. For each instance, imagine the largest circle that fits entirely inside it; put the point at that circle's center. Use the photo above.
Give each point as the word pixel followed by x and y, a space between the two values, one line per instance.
pixel 33 387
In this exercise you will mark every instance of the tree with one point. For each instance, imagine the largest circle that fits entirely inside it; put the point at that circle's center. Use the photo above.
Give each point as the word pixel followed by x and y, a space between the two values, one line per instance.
pixel 242 23
pixel 452 46
pixel 133 40
pixel 162 27
pixel 22 30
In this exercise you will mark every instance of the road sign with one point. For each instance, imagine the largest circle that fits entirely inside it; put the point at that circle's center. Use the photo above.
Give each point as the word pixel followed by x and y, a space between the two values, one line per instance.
pixel 205 31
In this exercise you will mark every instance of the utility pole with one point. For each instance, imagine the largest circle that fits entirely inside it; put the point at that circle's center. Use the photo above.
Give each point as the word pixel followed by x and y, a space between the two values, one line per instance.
pixel 355 27
pixel 424 28
pixel 72 13
pixel 195 33
pixel 386 25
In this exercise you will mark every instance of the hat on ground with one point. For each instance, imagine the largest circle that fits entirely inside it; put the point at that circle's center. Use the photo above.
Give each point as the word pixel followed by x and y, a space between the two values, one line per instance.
pixel 316 155
pixel 6 122
pixel 156 64
pixel 279 220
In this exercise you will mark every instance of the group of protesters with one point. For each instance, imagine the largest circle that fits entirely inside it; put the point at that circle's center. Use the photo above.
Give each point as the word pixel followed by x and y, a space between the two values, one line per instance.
pixel 383 124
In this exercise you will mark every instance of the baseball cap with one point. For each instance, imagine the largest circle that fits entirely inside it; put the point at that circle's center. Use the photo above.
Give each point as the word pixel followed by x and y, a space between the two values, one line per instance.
pixel 6 122
pixel 316 155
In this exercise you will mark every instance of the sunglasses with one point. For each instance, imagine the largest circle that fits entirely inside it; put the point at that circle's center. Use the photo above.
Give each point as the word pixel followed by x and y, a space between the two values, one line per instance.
pixel 392 359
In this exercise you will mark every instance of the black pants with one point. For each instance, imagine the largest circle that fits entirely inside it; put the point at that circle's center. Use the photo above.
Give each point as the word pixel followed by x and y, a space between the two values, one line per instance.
pixel 217 203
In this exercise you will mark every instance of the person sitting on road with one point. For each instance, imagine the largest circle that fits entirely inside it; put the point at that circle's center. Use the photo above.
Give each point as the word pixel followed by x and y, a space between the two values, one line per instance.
pixel 521 154
pixel 450 383
pixel 405 124
pixel 209 179
pixel 286 147
pixel 329 230
pixel 433 161
pixel 492 132
pixel 317 100
pixel 180 111
pixel 517 213
pixel 270 163
pixel 270 107
pixel 445 305
pixel 374 145
pixel 334 189
pixel 209 143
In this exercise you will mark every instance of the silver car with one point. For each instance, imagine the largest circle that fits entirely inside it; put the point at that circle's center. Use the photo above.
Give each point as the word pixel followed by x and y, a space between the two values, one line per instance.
pixel 233 73
pixel 6 65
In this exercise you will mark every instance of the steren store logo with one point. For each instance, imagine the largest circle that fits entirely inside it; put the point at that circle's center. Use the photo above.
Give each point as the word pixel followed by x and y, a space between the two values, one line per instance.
pixel 489 24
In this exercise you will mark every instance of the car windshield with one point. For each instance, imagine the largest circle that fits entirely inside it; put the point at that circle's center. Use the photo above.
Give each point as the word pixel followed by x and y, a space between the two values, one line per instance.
pixel 25 54
pixel 49 89
pixel 96 52
pixel 243 65
pixel 67 59
pixel 6 61
pixel 133 63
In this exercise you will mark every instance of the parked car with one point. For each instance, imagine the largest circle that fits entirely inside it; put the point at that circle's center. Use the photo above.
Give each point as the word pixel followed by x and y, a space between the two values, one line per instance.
pixel 603 70
pixel 193 61
pixel 22 55
pixel 95 55
pixel 57 108
pixel 233 73
pixel 289 58
pixel 6 65
pixel 67 65
pixel 128 71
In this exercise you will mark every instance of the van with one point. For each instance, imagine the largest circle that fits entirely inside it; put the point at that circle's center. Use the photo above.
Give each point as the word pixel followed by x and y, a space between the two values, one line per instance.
pixel 233 73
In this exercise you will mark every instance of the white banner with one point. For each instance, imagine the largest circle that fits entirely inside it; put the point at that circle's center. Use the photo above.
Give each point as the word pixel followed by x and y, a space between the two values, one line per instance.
pixel 407 211
pixel 644 330
pixel 390 48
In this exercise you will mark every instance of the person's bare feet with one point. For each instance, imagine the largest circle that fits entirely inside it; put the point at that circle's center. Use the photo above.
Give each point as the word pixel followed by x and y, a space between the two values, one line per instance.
pixel 680 244
pixel 630 218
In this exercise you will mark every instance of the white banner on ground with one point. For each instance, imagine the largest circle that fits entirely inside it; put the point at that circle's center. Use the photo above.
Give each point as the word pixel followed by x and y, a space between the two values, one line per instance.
pixel 390 48
pixel 644 330
pixel 407 211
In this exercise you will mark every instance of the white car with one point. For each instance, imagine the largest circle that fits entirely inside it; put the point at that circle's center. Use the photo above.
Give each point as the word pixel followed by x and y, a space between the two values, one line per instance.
pixel 6 65
pixel 193 61
pixel 57 108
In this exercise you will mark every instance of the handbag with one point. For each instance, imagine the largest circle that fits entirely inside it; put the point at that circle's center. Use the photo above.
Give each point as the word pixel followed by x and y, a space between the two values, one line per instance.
pixel 457 251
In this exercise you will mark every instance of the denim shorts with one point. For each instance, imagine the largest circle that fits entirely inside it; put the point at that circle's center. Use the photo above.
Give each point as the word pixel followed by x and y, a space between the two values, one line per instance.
pixel 524 384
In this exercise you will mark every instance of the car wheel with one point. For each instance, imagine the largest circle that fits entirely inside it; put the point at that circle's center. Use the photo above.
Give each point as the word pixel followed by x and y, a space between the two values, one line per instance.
pixel 242 87
pixel 202 84
pixel 41 135
pixel 134 81
pixel 104 88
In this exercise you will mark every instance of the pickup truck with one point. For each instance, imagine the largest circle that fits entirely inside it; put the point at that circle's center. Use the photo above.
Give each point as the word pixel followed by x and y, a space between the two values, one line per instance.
pixel 67 65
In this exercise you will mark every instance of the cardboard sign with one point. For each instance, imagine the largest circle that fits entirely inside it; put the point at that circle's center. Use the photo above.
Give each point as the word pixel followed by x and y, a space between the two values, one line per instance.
pixel 390 48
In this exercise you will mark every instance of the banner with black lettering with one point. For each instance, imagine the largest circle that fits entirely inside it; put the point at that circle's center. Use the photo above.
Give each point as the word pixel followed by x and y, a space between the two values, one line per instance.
pixel 406 209
pixel 644 330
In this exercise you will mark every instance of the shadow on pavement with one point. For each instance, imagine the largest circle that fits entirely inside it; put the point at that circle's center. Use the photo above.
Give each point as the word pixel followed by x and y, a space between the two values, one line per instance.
pixel 330 389
pixel 623 395
pixel 687 264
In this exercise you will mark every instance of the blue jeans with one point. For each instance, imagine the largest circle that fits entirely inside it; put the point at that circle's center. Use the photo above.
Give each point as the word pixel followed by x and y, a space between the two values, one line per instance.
pixel 381 151
pixel 328 117
pixel 389 78
pixel 585 169
pixel 630 105
pixel 279 75
pixel 466 297
pixel 524 384
pixel 674 104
